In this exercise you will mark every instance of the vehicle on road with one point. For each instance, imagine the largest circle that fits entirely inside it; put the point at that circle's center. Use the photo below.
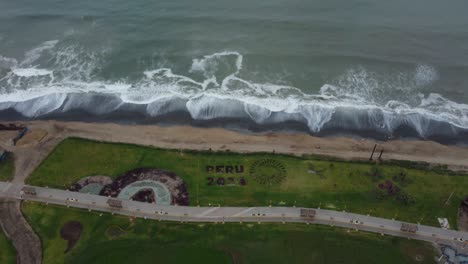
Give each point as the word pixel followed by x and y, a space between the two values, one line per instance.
pixel 259 214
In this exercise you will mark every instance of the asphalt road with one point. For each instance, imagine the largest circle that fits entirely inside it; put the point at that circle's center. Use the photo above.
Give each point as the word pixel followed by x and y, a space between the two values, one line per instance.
pixel 238 214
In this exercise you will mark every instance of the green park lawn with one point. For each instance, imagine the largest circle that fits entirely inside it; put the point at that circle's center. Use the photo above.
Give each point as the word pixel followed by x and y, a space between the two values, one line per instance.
pixel 338 185
pixel 149 241
pixel 7 252
pixel 7 168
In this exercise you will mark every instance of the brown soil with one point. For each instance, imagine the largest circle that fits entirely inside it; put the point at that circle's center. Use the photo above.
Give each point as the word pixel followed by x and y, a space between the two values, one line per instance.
pixel 103 180
pixel 176 186
pixel 71 232
pixel 144 195
pixel 32 137
pixel 6 137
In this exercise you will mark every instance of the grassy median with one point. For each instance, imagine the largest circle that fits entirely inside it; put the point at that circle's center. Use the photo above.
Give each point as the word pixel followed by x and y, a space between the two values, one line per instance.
pixel 149 241
pixel 391 190
pixel 7 168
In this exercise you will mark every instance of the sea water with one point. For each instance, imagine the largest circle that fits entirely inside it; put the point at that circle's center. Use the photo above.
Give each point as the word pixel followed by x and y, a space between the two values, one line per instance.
pixel 389 68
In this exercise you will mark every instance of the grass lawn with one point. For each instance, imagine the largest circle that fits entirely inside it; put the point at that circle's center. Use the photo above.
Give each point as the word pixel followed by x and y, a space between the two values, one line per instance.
pixel 336 185
pixel 7 168
pixel 7 252
pixel 148 241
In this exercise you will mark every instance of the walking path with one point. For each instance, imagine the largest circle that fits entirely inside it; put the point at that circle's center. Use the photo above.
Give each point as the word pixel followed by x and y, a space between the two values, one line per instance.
pixel 26 242
pixel 456 239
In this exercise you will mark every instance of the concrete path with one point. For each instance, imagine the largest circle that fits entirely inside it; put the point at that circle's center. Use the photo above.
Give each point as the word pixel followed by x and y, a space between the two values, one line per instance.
pixel 456 239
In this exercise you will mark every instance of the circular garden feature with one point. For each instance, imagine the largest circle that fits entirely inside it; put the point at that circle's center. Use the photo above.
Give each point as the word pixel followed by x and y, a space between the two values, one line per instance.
pixel 268 171
pixel 142 184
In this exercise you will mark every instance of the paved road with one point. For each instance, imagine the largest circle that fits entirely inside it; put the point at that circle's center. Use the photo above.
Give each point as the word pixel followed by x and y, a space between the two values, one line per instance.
pixel 237 214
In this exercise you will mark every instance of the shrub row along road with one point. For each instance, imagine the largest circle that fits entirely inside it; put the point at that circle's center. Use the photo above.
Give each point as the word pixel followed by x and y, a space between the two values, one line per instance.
pixel 383 226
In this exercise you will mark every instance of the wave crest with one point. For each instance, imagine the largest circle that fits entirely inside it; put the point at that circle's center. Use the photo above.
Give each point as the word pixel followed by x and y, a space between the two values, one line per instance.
pixel 214 88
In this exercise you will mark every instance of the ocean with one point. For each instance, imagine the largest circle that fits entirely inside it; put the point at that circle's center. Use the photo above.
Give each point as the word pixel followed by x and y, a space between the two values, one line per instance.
pixel 380 69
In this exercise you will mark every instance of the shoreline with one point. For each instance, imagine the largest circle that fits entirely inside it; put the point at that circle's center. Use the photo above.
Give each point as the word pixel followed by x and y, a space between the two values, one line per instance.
pixel 357 123
pixel 221 139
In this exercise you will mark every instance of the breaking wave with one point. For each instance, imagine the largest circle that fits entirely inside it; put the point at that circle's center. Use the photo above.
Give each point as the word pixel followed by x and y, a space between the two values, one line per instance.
pixel 54 78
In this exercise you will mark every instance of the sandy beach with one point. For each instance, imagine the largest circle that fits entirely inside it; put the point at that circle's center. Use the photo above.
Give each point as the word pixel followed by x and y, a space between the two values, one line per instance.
pixel 44 135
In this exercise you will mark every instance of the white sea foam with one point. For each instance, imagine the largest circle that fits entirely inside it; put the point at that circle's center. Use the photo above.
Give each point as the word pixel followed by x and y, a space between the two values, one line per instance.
pixel 425 74
pixel 34 54
pixel 7 63
pixel 257 113
pixel 353 100
pixel 210 62
pixel 30 72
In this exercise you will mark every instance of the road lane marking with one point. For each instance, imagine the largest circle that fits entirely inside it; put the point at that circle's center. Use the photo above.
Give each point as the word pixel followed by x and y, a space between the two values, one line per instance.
pixel 208 211
pixel 243 212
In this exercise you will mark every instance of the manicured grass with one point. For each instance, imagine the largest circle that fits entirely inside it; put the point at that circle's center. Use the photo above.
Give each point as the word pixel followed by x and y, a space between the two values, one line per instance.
pixel 7 168
pixel 7 252
pixel 148 241
pixel 338 185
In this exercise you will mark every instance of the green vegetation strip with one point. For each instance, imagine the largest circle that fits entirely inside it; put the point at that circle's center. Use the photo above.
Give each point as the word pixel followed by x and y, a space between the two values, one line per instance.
pixel 148 241
pixel 388 190
pixel 7 251
pixel 7 168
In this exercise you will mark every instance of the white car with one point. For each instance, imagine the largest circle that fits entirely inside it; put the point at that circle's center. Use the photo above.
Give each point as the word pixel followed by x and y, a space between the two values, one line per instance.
pixel 357 222
pixel 459 239
pixel 72 199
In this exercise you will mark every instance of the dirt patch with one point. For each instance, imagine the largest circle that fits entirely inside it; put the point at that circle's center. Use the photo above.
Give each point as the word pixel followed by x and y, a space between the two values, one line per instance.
pixel 463 215
pixel 175 185
pixel 71 232
pixel 101 180
pixel 32 137
pixel 114 232
pixel 144 195
pixel 6 137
